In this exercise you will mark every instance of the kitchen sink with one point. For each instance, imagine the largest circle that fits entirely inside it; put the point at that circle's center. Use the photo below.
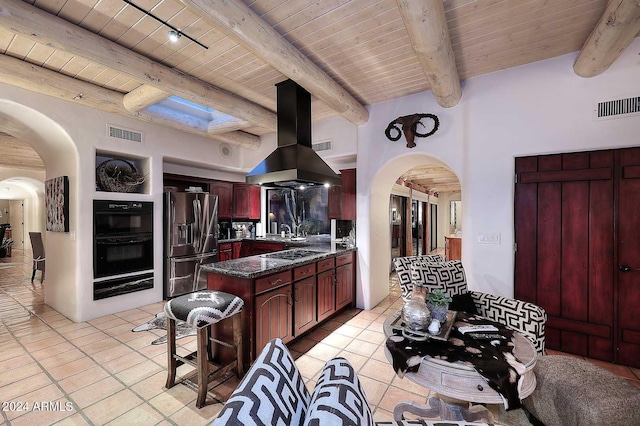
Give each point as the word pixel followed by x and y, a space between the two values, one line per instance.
pixel 291 254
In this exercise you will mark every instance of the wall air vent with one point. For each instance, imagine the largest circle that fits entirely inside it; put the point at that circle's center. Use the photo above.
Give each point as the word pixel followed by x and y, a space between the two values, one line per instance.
pixel 122 133
pixel 618 108
pixel 321 146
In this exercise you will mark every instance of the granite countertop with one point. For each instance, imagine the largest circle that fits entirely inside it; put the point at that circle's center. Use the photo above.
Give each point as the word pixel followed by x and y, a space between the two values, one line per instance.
pixel 263 264
pixel 309 241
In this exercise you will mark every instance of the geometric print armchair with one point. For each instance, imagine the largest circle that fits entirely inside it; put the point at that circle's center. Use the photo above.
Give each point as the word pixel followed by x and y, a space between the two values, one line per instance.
pixel 273 393
pixel 523 317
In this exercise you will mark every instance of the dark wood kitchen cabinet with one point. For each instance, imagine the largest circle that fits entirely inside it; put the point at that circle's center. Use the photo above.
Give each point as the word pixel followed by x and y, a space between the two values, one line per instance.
pixel 334 202
pixel 326 293
pixel 341 203
pixel 224 191
pixel 304 305
pixel 225 252
pixel 241 249
pixel 344 281
pixel 274 316
pixel 246 201
pixel 348 194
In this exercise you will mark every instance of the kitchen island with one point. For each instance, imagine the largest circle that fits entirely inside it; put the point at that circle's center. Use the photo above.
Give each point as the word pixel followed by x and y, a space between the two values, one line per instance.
pixel 286 293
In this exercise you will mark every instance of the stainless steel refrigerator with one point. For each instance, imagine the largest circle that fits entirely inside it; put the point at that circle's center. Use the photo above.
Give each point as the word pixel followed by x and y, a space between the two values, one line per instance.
pixel 190 240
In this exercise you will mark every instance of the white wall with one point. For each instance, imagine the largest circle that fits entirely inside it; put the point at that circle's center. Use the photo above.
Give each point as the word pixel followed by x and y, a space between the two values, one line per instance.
pixel 533 109
pixel 66 136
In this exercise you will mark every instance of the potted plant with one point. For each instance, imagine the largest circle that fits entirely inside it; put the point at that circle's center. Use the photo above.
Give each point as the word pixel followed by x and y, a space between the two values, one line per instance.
pixel 4 247
pixel 438 304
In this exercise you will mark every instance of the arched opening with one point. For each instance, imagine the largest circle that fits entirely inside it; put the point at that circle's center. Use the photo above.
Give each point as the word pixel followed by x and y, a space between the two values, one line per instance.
pixel 60 158
pixel 375 268
pixel 21 205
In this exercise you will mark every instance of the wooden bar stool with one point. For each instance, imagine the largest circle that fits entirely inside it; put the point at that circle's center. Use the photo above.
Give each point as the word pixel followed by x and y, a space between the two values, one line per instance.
pixel 201 309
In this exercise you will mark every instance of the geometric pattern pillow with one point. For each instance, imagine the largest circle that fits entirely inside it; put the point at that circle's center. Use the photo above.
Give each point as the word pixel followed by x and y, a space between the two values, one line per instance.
pixel 338 398
pixel 403 269
pixel 271 393
pixel 203 308
pixel 446 276
pixel 523 317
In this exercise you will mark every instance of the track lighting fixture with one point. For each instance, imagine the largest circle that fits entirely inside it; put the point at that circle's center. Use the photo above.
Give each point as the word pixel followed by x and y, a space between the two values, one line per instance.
pixel 174 33
pixel 174 36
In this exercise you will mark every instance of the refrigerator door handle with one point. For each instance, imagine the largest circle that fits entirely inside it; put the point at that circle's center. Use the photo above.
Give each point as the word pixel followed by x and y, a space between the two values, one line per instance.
pixel 196 224
pixel 192 258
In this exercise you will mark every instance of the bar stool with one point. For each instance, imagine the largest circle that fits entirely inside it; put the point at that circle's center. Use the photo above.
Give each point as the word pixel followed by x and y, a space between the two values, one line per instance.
pixel 202 309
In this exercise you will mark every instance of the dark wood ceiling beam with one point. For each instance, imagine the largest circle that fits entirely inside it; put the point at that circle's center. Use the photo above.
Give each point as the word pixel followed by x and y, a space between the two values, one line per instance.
pixel 41 27
pixel 240 22
pixel 619 25
pixel 427 27
pixel 16 72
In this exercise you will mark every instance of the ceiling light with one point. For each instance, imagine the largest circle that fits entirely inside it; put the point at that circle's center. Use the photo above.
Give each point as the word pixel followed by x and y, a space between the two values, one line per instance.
pixel 326 185
pixel 174 36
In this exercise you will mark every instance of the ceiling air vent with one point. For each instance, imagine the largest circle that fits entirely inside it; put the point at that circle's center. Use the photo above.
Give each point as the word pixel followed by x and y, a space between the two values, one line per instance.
pixel 122 133
pixel 618 108
pixel 321 146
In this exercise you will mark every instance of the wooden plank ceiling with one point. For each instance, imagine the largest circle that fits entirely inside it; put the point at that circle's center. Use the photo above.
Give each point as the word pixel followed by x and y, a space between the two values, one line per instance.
pixel 362 45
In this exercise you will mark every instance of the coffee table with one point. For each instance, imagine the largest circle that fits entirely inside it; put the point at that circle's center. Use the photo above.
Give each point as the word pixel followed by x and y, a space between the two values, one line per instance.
pixel 457 384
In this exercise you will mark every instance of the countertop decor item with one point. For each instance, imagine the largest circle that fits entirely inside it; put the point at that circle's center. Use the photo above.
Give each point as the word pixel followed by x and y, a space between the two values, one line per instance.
pixel 438 304
pixel 118 175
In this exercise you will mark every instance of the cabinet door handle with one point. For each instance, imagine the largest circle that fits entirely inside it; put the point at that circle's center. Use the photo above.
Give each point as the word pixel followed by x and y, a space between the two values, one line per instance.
pixel 279 280
pixel 627 268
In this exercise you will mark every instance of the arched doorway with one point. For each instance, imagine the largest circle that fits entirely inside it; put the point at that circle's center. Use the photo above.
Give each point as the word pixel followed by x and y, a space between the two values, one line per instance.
pixel 21 205
pixel 374 269
pixel 60 157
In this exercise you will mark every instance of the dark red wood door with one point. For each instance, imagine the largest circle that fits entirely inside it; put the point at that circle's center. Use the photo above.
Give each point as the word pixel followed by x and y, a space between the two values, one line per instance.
pixel 564 262
pixel 629 258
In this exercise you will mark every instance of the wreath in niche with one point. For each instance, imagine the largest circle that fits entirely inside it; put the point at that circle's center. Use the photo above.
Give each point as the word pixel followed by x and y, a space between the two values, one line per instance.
pixel 409 127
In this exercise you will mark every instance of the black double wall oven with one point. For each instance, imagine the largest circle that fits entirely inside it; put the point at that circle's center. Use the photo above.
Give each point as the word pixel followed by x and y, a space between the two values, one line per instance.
pixel 122 247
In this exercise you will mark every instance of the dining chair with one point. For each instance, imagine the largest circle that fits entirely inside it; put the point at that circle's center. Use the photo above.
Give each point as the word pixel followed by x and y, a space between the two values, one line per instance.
pixel 37 248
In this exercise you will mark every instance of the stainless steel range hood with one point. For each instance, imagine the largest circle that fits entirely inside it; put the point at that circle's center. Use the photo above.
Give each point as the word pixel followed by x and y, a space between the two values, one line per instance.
pixel 294 162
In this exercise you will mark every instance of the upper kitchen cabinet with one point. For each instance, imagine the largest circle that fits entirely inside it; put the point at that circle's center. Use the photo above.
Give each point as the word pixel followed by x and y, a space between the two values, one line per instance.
pixel 180 183
pixel 342 199
pixel 224 191
pixel 348 194
pixel 246 201
pixel 334 204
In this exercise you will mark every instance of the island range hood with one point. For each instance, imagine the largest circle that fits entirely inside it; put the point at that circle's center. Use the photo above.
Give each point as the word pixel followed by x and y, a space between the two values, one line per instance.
pixel 294 162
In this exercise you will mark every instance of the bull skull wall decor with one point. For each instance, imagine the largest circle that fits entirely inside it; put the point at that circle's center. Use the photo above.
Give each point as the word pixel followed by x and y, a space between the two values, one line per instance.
pixel 409 125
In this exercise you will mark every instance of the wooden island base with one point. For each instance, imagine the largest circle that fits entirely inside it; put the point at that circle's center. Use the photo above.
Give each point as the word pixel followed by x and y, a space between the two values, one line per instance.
pixel 286 303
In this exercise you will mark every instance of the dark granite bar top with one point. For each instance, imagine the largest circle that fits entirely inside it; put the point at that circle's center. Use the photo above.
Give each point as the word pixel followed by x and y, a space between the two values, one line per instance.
pixel 259 265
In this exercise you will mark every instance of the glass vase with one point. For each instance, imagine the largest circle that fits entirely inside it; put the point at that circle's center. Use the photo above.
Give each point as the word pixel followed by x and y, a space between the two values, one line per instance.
pixel 415 314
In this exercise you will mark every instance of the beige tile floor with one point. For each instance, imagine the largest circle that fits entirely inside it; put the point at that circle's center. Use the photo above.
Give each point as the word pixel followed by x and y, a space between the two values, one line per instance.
pixel 55 371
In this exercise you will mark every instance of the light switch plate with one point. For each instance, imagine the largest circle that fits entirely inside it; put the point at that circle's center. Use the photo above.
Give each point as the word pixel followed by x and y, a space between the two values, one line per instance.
pixel 488 238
